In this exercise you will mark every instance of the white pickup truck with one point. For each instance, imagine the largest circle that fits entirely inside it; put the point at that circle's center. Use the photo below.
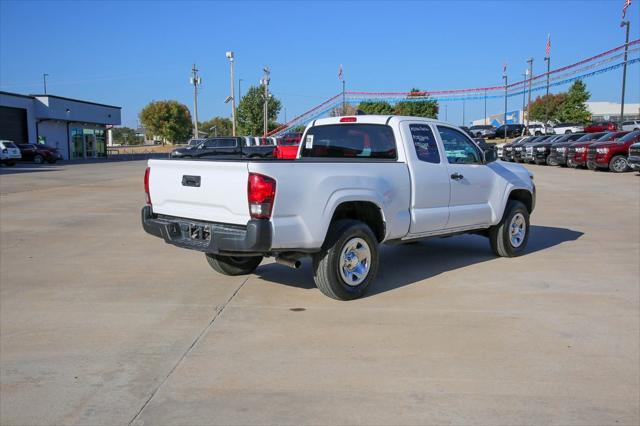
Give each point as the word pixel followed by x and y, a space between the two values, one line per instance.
pixel 357 182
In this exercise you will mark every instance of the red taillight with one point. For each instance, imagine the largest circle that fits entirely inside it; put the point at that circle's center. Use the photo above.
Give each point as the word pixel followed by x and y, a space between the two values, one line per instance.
pixel 348 119
pixel 146 185
pixel 261 191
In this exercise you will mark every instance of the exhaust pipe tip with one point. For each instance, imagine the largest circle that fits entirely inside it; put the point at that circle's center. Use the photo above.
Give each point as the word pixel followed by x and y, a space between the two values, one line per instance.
pixel 291 263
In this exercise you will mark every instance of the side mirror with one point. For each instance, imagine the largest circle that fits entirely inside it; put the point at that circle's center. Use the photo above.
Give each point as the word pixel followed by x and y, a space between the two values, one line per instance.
pixel 490 155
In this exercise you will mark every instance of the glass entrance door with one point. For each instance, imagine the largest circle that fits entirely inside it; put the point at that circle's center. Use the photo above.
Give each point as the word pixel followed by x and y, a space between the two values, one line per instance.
pixel 90 145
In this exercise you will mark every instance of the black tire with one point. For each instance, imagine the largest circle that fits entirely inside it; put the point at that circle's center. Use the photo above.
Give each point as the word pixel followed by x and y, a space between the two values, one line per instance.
pixel 500 235
pixel 10 163
pixel 572 164
pixel 326 264
pixel 550 161
pixel 566 132
pixel 38 159
pixel 230 265
pixel 618 164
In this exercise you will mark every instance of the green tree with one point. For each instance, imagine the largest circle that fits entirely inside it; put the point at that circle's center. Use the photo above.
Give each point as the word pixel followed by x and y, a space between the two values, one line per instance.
pixel 126 136
pixel 223 127
pixel 421 107
pixel 574 107
pixel 539 106
pixel 169 120
pixel 376 107
pixel 341 110
pixel 250 112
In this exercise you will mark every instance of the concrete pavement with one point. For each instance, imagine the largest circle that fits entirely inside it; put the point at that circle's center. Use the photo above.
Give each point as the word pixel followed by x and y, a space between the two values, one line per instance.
pixel 103 324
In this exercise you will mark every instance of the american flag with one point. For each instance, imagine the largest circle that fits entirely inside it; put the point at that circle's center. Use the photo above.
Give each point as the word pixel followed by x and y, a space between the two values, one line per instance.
pixel 627 3
pixel 547 49
pixel 340 72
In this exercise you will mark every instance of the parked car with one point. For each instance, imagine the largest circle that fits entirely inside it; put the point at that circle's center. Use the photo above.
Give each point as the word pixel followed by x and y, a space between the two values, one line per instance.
pixel 537 129
pixel 559 149
pixel 9 153
pixel 223 146
pixel 287 147
pixel 577 151
pixel 39 153
pixel 520 150
pixel 509 131
pixel 483 131
pixel 565 128
pixel 540 151
pixel 500 147
pixel 529 153
pixel 634 156
pixel 612 155
pixel 509 149
pixel 601 126
pixel 631 125
pixel 360 181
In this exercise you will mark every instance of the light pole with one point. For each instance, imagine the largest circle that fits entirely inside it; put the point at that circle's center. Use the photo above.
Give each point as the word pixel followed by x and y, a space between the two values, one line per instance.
pixel 265 82
pixel 230 57
pixel 485 107
pixel 446 110
pixel 546 102
pixel 463 111
pixel 524 91
pixel 44 79
pixel 195 80
pixel 506 82
pixel 530 62
pixel 624 70
pixel 239 90
pixel 215 130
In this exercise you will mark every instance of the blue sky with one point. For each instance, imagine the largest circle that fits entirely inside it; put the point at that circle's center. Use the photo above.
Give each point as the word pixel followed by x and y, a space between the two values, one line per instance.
pixel 129 53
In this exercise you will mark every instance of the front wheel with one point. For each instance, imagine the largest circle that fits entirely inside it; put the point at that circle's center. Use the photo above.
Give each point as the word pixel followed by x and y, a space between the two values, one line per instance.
pixel 348 262
pixel 232 265
pixel 509 237
pixel 38 159
pixel 618 164
pixel 551 161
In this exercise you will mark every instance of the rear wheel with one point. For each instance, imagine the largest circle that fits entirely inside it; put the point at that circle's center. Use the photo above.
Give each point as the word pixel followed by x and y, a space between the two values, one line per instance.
pixel 232 265
pixel 551 161
pixel 348 262
pixel 566 132
pixel 618 164
pixel 509 237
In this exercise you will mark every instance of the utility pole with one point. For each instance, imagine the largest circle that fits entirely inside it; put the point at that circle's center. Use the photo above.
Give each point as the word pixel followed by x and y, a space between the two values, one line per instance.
pixel 524 91
pixel 446 110
pixel 624 70
pixel 44 79
pixel 546 101
pixel 239 90
pixel 463 111
pixel 232 97
pixel 485 107
pixel 265 82
pixel 506 82
pixel 530 62
pixel 196 81
pixel 285 114
pixel 344 99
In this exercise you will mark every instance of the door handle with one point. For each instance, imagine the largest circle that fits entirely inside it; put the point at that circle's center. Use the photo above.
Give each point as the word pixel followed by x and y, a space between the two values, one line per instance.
pixel 457 176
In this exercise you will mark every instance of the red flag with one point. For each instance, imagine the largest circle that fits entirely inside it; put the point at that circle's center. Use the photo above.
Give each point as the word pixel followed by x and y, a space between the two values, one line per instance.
pixel 627 3
pixel 548 47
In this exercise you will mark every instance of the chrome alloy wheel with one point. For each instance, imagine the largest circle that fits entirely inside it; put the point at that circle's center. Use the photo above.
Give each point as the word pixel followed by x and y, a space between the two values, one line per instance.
pixel 355 261
pixel 619 165
pixel 517 230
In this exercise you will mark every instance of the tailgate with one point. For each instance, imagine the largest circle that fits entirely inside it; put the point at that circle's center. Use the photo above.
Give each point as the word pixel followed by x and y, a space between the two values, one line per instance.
pixel 213 191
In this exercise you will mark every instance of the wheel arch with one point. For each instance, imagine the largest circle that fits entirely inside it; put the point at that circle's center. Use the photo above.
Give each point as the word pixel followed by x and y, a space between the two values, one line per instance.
pixel 366 211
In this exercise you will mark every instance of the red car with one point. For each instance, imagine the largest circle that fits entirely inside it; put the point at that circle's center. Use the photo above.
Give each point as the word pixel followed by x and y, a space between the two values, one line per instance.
pixel 287 148
pixel 601 126
pixel 39 153
pixel 612 155
pixel 577 155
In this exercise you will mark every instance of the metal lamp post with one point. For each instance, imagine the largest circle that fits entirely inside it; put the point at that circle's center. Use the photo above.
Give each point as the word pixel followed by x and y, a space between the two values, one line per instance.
pixel 230 57
pixel 624 70
pixel 265 82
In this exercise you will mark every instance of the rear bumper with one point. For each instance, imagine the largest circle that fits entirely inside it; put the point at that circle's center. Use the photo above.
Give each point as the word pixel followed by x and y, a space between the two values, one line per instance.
pixel 212 237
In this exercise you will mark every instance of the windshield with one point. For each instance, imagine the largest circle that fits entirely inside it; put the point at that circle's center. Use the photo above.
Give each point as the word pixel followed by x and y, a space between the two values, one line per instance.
pixel 630 136
pixel 349 141
pixel 590 137
pixel 608 137
pixel 9 145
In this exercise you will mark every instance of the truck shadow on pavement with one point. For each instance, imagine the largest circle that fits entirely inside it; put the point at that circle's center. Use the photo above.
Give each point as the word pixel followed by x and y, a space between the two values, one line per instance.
pixel 402 265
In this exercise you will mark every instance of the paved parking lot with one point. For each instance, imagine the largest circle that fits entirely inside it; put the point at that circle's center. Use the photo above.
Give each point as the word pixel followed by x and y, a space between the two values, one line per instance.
pixel 103 324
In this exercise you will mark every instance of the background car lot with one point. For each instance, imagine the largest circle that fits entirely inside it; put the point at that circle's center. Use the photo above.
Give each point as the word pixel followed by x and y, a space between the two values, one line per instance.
pixel 448 334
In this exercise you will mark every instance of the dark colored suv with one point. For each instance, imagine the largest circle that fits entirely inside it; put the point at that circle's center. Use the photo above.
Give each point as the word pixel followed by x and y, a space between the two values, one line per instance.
pixel 509 131
pixel 560 148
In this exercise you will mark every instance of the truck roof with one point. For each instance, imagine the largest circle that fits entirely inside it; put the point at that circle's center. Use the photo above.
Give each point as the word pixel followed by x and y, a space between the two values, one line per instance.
pixel 370 119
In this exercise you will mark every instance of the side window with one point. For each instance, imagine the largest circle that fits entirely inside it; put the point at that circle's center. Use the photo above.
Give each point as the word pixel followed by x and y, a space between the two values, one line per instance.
pixel 210 144
pixel 458 148
pixel 226 143
pixel 425 143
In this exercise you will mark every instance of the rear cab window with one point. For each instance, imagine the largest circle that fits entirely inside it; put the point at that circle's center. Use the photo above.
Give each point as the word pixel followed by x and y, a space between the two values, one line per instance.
pixel 354 141
pixel 424 143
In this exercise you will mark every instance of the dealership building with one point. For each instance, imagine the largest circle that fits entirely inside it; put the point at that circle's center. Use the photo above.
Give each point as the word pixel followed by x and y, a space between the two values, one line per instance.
pixel 77 128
